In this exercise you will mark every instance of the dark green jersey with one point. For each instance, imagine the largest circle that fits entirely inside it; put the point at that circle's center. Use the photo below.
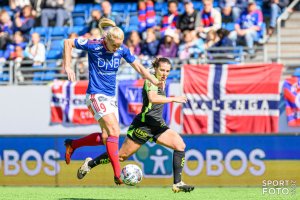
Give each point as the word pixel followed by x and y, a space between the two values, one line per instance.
pixel 151 113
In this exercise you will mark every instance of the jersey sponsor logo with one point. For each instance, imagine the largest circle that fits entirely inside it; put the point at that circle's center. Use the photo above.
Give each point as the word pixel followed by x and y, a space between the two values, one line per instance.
pixel 82 41
pixel 99 48
pixel 140 134
pixel 113 63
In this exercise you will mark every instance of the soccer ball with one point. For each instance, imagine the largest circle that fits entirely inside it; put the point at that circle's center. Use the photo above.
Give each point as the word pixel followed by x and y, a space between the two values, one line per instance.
pixel 131 175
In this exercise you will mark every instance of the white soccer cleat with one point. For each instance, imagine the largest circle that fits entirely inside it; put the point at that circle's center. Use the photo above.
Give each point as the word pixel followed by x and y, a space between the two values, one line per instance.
pixel 182 187
pixel 84 169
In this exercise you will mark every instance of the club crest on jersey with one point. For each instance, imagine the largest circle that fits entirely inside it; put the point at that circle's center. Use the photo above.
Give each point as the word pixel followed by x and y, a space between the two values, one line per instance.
pixel 116 54
pixel 82 41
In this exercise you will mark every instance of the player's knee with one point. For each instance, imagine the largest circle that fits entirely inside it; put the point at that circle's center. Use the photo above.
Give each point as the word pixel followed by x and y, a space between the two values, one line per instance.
pixel 104 138
pixel 114 131
pixel 180 146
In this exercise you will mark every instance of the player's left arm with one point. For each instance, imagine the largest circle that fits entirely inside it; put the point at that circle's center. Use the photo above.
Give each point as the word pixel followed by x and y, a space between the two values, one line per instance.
pixel 141 69
pixel 146 74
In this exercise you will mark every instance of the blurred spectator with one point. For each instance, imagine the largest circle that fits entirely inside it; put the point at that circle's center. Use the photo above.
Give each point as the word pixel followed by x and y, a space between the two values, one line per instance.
pixel 16 53
pixel 150 46
pixel 211 39
pixel 95 18
pixel 168 48
pixel 248 26
pixel 210 19
pixel 36 50
pixel 5 29
pixel 18 5
pixel 58 10
pixel 276 7
pixel 189 19
pixel 24 22
pixel 134 43
pixel 232 9
pixel 146 15
pixel 192 47
pixel 169 20
pixel 106 12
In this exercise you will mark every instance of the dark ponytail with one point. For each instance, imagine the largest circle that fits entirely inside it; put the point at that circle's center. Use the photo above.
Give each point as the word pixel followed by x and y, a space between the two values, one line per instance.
pixel 156 61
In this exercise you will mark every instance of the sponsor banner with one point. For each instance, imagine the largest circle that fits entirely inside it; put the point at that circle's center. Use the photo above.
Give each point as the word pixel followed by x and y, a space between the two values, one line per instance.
pixel 210 161
pixel 68 103
pixel 130 101
pixel 291 91
pixel 231 98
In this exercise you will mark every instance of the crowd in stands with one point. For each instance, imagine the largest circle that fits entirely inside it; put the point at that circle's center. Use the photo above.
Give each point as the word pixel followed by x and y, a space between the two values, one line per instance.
pixel 34 30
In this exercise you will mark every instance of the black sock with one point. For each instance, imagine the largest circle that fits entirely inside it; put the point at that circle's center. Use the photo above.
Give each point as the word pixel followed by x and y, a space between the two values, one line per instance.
pixel 178 163
pixel 100 160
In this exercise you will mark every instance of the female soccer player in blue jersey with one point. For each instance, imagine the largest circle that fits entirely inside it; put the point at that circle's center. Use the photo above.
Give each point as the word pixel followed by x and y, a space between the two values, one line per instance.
pixel 104 56
pixel 149 125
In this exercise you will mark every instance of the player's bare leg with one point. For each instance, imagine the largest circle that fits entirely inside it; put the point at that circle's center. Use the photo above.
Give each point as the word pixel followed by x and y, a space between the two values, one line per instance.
pixel 173 140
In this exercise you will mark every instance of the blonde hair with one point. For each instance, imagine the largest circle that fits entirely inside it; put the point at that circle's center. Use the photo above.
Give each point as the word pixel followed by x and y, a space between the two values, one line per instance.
pixel 104 23
pixel 115 33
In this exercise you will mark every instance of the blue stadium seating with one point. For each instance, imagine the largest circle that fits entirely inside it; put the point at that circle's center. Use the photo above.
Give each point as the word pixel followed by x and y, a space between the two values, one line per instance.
pixel 228 26
pixel 198 5
pixel 53 54
pixel 134 20
pixel 120 7
pixel 133 7
pixel 42 31
pixel 58 32
pixel 79 21
pixel 80 30
pixel 56 45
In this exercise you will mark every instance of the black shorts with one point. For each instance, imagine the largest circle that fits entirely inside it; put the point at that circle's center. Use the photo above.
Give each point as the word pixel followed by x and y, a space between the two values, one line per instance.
pixel 141 132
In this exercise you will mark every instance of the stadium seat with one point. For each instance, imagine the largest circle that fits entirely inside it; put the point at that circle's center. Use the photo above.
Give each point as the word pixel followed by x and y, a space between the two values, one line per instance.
pixel 131 28
pixel 96 7
pixel 79 21
pixel 228 26
pixel 133 7
pixel 80 30
pixel 134 20
pixel 38 75
pixel 56 45
pixel 198 5
pixel 58 32
pixel 53 54
pixel 42 31
pixel 120 7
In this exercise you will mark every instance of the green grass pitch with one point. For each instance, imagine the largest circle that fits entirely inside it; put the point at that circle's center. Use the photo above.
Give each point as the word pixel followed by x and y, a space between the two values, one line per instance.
pixel 126 193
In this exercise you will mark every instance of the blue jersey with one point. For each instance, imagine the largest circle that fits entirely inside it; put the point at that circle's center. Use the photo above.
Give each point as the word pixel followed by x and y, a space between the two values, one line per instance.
pixel 103 65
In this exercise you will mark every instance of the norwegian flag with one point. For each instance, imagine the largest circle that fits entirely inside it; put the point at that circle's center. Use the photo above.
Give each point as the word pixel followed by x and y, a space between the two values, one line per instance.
pixel 291 91
pixel 231 98
pixel 68 103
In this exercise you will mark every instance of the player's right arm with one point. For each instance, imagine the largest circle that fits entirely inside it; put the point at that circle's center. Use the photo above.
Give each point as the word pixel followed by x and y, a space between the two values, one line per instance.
pixel 155 98
pixel 80 43
pixel 67 58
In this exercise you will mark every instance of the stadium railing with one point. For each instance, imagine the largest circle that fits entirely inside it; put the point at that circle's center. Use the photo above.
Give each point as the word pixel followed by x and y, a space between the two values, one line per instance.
pixel 25 73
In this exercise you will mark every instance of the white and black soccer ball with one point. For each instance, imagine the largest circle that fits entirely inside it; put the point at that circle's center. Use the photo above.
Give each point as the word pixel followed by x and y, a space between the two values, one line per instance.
pixel 131 174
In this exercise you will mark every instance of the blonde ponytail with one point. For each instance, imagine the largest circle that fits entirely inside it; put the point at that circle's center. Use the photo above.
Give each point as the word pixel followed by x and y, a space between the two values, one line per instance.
pixel 104 23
